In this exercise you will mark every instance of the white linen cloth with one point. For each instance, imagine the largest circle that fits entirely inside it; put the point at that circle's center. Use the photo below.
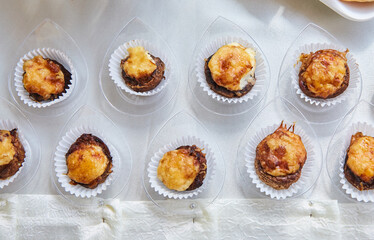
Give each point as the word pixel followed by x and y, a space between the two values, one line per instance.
pixel 51 217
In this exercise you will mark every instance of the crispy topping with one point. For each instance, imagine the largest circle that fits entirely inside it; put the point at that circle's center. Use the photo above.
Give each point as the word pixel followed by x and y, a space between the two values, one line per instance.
pixel 361 156
pixel 178 169
pixel 139 64
pixel 324 71
pixel 7 150
pixel 282 152
pixel 86 163
pixel 233 66
pixel 43 77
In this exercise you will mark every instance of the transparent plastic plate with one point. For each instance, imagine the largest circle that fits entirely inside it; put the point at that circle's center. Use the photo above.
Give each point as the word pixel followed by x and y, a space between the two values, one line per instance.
pixel 49 34
pixel 275 112
pixel 123 101
pixel 339 143
pixel 223 27
pixel 31 166
pixel 315 114
pixel 181 125
pixel 88 116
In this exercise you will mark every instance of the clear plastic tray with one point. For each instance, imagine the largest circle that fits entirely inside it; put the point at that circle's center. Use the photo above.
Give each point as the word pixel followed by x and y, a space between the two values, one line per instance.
pixel 275 112
pixel 181 125
pixel 314 114
pixel 88 116
pixel 49 34
pixel 339 143
pixel 125 102
pixel 31 166
pixel 223 27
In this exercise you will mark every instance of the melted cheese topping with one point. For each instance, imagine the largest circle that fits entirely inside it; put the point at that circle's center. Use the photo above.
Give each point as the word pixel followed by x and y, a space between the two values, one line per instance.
pixel 43 77
pixel 326 71
pixel 139 64
pixel 233 66
pixel 86 164
pixel 178 170
pixel 361 156
pixel 286 153
pixel 7 150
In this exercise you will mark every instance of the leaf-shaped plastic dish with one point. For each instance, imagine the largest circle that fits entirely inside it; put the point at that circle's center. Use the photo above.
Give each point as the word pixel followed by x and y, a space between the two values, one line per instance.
pixel 359 118
pixel 89 118
pixel 182 126
pixel 313 34
pixel 122 100
pixel 272 115
pixel 224 28
pixel 49 34
pixel 11 113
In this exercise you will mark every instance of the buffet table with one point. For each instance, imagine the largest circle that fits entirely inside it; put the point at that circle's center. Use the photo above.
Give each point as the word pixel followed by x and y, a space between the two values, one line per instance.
pixel 38 211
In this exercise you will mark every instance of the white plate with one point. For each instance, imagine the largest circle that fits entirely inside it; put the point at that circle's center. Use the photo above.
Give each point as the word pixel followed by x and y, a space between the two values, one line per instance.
pixel 354 11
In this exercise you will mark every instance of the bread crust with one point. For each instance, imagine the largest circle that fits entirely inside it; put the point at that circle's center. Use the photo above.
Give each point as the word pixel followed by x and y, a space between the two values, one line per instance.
pixel 13 166
pixel 145 83
pixel 89 139
pixel 221 90
pixel 279 182
pixel 200 158
pixel 302 80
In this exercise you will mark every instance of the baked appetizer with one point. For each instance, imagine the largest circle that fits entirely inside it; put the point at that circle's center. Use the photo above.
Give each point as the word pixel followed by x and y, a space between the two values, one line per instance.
pixel 88 161
pixel 359 162
pixel 141 71
pixel 12 153
pixel 230 71
pixel 183 169
pixel 45 79
pixel 324 74
pixel 280 157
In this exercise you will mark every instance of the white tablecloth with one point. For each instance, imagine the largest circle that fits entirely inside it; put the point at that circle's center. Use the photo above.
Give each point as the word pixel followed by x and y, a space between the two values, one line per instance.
pixel 274 24
pixel 49 217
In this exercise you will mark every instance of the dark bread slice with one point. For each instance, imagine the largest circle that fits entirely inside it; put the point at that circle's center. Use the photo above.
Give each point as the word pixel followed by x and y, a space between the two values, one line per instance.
pixel 146 83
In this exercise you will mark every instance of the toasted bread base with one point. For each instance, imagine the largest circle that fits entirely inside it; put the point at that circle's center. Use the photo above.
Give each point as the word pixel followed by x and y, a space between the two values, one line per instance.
pixel 146 83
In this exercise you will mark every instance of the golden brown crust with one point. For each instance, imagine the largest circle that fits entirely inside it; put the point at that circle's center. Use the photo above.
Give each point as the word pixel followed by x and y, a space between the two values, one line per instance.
pixel 356 170
pixel 54 66
pixel 148 82
pixel 183 169
pixel 200 158
pixel 280 157
pixel 315 76
pixel 14 165
pixel 221 90
pixel 89 140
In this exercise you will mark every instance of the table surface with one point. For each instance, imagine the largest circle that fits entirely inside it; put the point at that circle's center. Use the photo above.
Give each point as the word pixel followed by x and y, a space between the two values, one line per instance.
pixel 274 24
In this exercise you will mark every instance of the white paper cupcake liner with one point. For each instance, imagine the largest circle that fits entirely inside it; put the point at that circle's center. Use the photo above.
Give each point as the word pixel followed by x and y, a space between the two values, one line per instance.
pixel 52 54
pixel 210 49
pixel 306 172
pixel 366 195
pixel 153 165
pixel 121 52
pixel 61 167
pixel 9 125
pixel 353 81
